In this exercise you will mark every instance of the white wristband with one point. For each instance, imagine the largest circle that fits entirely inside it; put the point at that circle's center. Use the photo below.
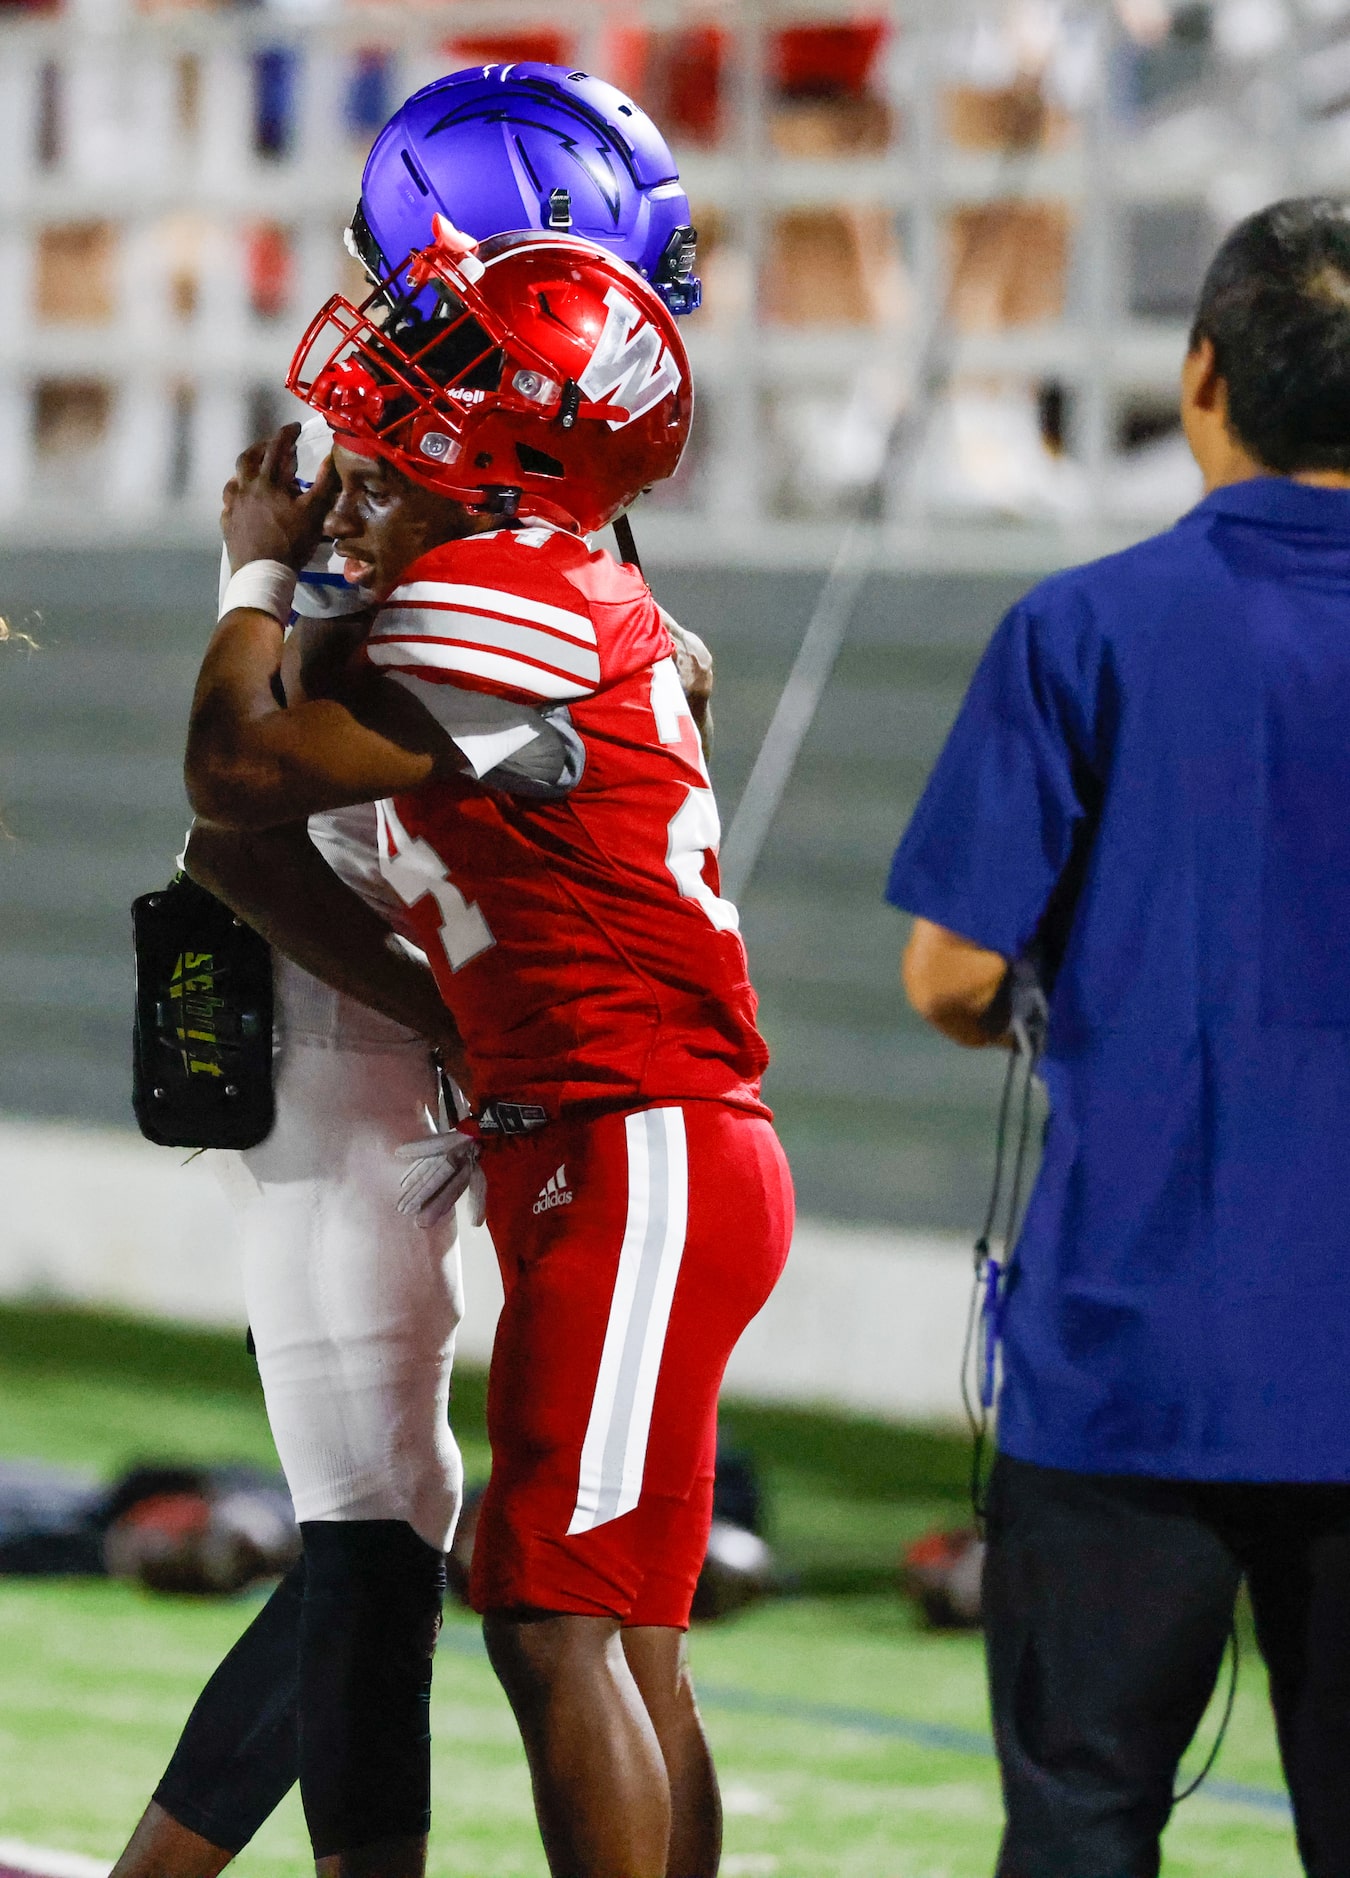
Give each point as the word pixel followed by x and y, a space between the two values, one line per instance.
pixel 266 586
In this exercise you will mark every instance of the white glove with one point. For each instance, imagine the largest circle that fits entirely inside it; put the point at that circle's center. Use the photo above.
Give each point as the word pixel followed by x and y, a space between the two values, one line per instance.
pixel 444 1166
pixel 693 661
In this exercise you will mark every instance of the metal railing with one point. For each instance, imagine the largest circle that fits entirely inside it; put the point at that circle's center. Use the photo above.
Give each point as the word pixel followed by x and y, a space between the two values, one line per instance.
pixel 165 230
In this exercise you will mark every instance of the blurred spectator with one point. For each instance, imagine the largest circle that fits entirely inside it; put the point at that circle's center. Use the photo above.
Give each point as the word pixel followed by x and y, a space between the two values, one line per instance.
pixel 370 93
pixel 70 422
pixel 834 440
pixel 684 76
pixel 542 45
pixel 274 76
pixel 832 267
pixel 1164 53
pixel 76 267
pixel 837 265
pixel 367 96
pixel 271 270
pixel 828 266
pixel 1008 260
pixel 180 241
pixel 984 448
pixel 678 77
pixel 833 61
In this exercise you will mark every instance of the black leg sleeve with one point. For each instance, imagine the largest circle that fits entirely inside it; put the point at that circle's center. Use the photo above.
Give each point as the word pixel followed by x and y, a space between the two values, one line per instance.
pixel 368 1638
pixel 237 1758
pixel 1107 1605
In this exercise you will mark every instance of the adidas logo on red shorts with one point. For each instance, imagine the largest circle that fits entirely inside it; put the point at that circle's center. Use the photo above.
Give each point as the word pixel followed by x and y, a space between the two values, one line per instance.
pixel 555 1192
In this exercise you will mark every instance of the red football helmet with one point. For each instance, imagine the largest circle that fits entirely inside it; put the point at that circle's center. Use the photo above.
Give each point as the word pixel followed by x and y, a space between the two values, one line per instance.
pixel 550 382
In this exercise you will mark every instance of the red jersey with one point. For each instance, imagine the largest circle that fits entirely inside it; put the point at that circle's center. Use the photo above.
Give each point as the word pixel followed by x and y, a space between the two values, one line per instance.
pixel 581 944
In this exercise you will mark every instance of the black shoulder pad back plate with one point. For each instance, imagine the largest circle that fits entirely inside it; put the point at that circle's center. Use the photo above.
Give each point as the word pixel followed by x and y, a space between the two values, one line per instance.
pixel 201 1072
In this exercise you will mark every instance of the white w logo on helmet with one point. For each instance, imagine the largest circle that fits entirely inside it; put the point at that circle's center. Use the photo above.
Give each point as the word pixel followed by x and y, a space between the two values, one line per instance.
pixel 630 367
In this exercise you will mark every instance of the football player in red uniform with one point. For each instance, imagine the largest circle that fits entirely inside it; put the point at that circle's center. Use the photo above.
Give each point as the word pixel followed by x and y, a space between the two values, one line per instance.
pixel 637 1194
pixel 354 1311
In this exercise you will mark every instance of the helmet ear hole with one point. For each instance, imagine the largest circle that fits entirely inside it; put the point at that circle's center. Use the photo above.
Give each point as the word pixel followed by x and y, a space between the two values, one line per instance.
pixel 538 462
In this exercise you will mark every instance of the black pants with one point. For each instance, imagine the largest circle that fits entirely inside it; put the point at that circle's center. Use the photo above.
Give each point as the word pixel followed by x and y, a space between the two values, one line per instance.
pixel 1108 1600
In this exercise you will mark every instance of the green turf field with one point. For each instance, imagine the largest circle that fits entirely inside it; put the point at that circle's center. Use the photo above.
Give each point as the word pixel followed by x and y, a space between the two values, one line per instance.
pixel 851 1744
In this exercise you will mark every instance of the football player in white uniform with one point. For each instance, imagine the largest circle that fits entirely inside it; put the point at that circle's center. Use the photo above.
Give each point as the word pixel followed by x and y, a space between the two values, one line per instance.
pixel 353 1305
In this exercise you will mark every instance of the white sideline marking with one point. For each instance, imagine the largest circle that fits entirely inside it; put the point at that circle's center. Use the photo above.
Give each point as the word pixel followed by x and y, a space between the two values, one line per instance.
pixel 748 1803
pixel 868 1320
pixel 45 1863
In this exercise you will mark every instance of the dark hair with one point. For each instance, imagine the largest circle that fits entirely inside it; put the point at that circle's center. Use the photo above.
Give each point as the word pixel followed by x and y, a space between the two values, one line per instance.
pixel 1276 305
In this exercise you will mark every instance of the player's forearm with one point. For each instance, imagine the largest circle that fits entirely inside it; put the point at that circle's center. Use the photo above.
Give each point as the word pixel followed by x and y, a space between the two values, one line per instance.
pixel 251 765
pixel 227 766
pixel 956 986
pixel 279 883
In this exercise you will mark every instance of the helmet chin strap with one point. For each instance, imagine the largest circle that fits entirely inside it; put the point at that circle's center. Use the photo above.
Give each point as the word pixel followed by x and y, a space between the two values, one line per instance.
pixel 623 535
pixel 503 502
pixel 524 506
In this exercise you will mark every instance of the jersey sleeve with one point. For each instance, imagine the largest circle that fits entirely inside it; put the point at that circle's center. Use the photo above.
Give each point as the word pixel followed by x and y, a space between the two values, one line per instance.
pixel 467 617
pixel 480 657
pixel 517 748
pixel 998 819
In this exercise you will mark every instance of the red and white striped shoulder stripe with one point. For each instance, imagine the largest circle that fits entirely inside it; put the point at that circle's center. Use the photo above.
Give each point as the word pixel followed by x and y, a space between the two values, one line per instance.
pixel 459 633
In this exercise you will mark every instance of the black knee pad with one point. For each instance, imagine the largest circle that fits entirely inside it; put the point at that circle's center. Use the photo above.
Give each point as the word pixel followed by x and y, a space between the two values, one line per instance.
pixel 372 1611
pixel 237 1758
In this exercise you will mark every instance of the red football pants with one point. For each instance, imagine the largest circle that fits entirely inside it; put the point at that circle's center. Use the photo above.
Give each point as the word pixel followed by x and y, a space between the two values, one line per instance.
pixel 634 1249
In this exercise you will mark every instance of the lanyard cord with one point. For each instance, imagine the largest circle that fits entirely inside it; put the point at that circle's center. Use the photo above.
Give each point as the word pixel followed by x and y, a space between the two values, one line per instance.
pixel 972 1395
pixel 1234 1651
pixel 992 1277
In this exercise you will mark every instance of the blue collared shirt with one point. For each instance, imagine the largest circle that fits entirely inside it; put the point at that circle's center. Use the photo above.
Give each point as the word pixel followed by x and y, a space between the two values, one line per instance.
pixel 1149 784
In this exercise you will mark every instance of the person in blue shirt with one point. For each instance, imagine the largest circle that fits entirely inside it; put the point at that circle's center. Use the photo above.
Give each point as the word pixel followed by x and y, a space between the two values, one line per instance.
pixel 1146 794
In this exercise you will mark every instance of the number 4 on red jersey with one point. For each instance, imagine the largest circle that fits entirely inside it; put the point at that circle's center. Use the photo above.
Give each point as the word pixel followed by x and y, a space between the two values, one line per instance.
pixel 582 945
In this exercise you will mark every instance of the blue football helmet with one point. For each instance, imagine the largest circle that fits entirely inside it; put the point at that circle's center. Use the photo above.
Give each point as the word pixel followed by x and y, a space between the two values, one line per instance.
pixel 501 148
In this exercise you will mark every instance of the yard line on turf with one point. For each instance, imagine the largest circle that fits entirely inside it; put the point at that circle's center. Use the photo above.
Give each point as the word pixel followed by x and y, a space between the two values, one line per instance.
pixel 869 1721
pixel 18 1860
pixel 936 1735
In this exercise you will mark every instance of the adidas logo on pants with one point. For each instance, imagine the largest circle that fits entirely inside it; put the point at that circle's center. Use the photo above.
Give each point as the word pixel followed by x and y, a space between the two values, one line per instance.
pixel 554 1192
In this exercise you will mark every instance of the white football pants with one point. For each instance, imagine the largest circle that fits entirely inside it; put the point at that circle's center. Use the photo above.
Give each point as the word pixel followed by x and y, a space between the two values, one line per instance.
pixel 353 1309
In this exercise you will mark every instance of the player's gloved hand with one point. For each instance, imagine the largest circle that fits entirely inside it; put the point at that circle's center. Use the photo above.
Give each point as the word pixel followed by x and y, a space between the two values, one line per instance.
pixel 693 660
pixel 694 663
pixel 445 1166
